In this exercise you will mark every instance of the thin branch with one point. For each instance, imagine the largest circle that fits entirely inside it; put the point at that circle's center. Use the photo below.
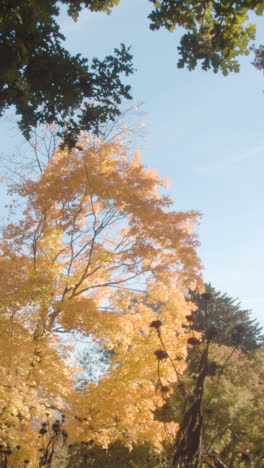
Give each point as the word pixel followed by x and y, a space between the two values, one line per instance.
pixel 105 285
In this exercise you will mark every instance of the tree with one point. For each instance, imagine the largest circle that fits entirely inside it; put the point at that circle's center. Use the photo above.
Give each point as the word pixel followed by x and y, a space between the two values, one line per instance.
pixel 230 326
pixel 234 326
pixel 217 32
pixel 217 400
pixel 94 223
pixel 233 421
pixel 231 405
pixel 48 85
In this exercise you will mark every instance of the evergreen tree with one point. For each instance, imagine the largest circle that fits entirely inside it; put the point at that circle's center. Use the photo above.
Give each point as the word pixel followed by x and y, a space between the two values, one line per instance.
pixel 233 324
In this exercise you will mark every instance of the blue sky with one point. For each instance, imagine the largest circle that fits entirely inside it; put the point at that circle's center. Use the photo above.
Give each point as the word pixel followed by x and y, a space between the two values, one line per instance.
pixel 203 131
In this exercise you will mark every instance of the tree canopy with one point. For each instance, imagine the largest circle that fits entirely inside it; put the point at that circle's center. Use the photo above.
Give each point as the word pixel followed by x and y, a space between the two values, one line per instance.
pixel 233 324
pixel 94 232
pixel 217 32
pixel 47 84
pixel 99 252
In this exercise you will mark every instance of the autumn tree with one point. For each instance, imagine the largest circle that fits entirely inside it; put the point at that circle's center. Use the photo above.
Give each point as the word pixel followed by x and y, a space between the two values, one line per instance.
pixel 95 238
pixel 234 326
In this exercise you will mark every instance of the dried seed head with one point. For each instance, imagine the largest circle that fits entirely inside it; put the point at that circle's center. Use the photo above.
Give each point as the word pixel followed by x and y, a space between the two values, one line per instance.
pixel 193 341
pixel 161 354
pixel 43 431
pixel 165 389
pixel 56 427
pixel 189 318
pixel 156 324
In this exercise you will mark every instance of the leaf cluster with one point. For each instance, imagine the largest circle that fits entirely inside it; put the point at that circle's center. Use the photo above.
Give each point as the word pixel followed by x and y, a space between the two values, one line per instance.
pixel 217 32
pixel 47 84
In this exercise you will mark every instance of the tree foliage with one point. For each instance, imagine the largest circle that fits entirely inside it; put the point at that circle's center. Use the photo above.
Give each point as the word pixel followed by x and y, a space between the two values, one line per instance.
pixel 259 58
pixel 217 401
pixel 89 455
pixel 99 252
pixel 217 32
pixel 46 84
pixel 94 232
pixel 233 325
pixel 231 408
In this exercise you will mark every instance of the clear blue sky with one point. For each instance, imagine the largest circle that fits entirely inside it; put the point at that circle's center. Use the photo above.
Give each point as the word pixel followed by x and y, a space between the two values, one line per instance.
pixel 204 132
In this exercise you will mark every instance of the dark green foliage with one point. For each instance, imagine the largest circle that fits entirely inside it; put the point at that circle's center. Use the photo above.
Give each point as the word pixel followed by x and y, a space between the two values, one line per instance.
pixel 48 85
pixel 117 456
pixel 229 324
